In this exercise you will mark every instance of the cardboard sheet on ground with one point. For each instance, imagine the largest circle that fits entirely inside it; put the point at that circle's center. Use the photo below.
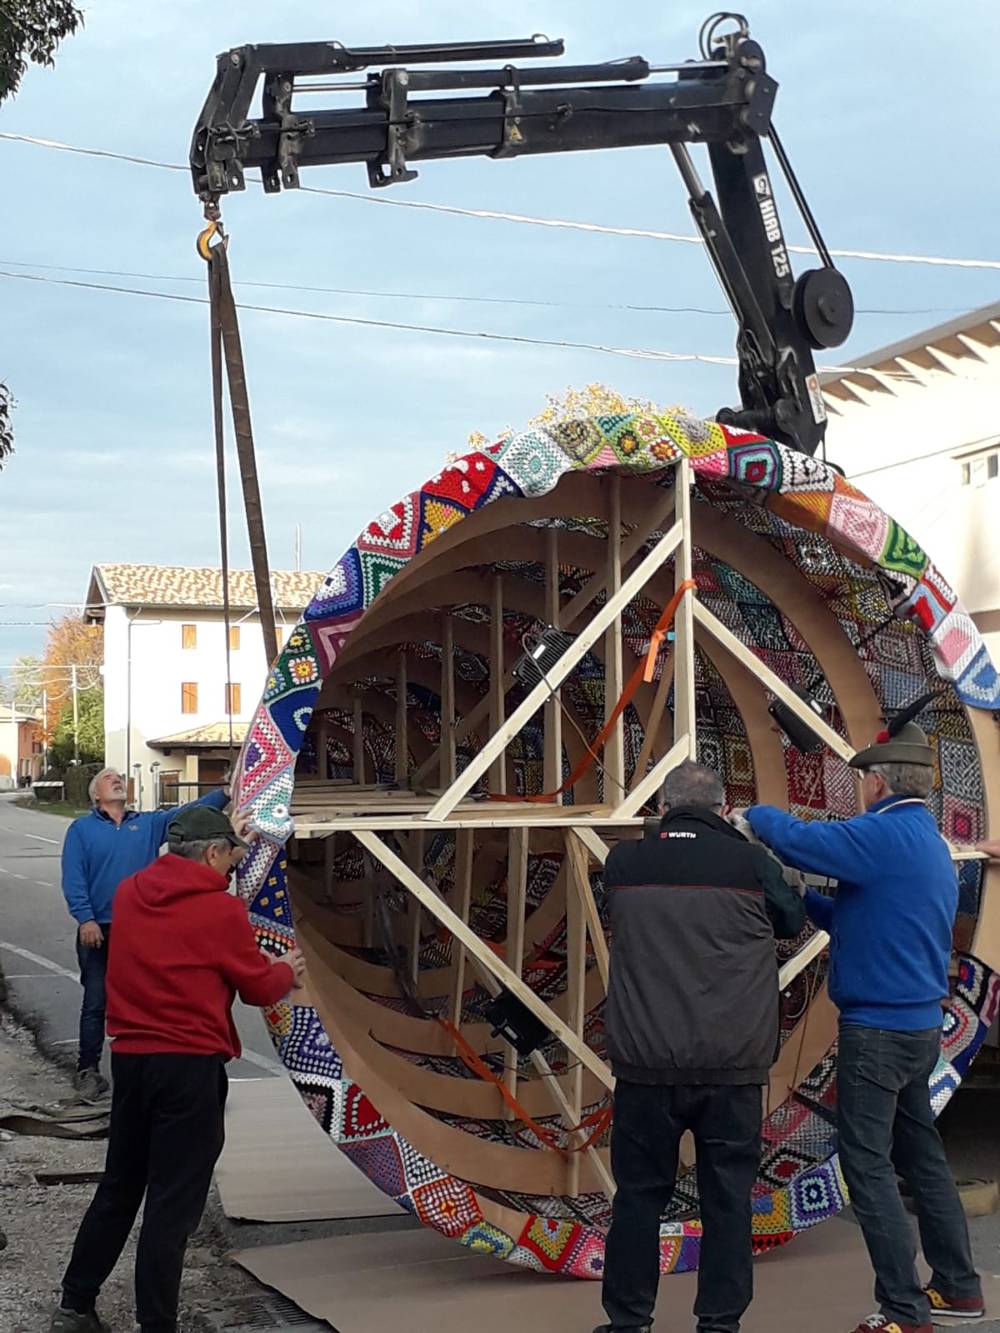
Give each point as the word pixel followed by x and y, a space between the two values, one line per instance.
pixel 420 1281
pixel 279 1166
pixel 56 1120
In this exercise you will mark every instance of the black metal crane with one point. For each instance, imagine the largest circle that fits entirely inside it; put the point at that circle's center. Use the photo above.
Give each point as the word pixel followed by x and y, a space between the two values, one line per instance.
pixel 724 100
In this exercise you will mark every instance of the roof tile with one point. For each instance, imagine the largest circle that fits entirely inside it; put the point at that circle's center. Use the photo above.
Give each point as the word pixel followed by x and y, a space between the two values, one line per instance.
pixel 192 586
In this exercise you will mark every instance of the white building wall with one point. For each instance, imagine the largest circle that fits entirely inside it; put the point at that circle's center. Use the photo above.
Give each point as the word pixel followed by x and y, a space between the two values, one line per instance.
pixel 905 450
pixel 145 704
pixel 115 686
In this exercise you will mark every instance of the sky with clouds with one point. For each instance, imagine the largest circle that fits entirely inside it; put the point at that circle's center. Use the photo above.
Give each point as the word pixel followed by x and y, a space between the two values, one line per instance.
pixel 887 112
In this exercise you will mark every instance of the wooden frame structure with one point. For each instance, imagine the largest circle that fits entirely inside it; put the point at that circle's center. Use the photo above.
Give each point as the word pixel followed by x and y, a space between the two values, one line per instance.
pixel 645 526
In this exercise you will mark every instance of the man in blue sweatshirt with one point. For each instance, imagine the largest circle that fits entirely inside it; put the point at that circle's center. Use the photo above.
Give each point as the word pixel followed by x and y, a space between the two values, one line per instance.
pixel 890 925
pixel 102 849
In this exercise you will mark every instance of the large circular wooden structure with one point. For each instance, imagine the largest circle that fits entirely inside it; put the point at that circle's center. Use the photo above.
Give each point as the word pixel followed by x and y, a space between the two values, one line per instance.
pixel 388 765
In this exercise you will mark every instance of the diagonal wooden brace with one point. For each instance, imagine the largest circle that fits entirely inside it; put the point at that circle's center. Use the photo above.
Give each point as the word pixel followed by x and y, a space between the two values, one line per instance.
pixel 485 956
pixel 498 742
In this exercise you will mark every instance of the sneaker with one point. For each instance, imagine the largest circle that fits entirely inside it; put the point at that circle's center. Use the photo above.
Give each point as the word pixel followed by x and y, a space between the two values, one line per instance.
pixel 883 1324
pixel 91 1085
pixel 954 1307
pixel 71 1321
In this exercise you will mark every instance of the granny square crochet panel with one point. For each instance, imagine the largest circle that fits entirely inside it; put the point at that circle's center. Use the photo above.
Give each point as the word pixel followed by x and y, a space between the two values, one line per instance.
pixel 800 1183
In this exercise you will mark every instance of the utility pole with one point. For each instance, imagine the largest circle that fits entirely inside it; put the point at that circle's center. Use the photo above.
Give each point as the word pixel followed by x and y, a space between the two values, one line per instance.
pixel 76 719
pixel 45 730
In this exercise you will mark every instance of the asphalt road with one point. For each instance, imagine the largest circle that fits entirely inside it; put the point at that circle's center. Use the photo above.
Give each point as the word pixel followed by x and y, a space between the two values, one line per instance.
pixel 38 941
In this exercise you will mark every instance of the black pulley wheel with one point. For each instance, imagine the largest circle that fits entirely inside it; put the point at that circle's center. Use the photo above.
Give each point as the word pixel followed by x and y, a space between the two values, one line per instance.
pixel 824 307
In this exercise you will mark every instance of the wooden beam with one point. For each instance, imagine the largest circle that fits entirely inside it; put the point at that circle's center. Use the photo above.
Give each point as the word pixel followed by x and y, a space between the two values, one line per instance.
pixel 655 717
pixel 499 741
pixel 371 889
pixel 358 745
pixel 553 764
pixel 684 718
pixel 614 746
pixel 497 682
pixel 594 843
pixel 477 815
pixel 660 513
pixel 329 848
pixel 415 859
pixel 322 747
pixel 464 839
pixel 448 769
pixel 576 972
pixel 579 887
pixel 653 780
pixel 402 742
pixel 772 681
pixel 477 949
pixel 552 1085
pixel 800 961
pixel 562 1101
pixel 650 521
pixel 517 905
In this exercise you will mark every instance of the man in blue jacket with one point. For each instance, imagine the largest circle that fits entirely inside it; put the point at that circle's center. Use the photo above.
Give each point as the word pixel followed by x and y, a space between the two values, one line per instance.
pixel 102 849
pixel 890 925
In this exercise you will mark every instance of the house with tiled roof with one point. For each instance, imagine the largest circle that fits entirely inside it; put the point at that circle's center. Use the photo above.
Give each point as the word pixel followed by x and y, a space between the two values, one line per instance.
pixel 176 704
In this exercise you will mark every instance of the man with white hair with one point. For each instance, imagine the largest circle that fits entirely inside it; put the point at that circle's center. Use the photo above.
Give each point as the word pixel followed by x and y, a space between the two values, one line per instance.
pixel 184 949
pixel 102 849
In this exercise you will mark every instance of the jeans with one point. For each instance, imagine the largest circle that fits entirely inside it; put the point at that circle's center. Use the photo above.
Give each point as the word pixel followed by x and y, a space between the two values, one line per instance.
pixel 167 1130
pixel 886 1126
pixel 645 1139
pixel 93 971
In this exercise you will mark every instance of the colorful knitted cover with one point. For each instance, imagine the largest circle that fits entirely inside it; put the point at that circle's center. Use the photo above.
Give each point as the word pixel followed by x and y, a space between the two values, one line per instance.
pixel 865 567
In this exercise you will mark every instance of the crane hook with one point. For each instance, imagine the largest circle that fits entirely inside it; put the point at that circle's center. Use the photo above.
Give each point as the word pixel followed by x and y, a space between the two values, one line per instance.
pixel 204 241
pixel 213 218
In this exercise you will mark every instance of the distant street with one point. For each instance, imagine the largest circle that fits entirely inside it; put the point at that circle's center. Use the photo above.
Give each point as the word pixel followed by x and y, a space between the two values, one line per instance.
pixel 37 939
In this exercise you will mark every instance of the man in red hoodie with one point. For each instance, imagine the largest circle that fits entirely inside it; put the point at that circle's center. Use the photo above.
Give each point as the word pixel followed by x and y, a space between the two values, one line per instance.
pixel 184 948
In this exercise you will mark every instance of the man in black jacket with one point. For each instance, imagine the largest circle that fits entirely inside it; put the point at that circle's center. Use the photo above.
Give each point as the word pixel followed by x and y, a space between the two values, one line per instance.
pixel 692 1030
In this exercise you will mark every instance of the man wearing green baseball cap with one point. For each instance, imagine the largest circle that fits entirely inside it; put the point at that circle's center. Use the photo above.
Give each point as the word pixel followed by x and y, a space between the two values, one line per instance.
pixel 184 949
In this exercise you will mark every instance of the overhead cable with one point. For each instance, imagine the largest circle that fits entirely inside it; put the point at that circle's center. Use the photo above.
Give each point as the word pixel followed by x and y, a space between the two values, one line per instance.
pixel 642 353
pixel 492 214
pixel 440 296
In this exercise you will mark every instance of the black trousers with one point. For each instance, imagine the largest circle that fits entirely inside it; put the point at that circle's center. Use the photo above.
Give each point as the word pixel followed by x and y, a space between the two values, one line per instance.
pixel 645 1138
pixel 167 1130
pixel 886 1126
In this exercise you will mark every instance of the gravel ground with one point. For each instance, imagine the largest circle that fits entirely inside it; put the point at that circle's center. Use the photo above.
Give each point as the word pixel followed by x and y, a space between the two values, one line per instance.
pixel 40 1221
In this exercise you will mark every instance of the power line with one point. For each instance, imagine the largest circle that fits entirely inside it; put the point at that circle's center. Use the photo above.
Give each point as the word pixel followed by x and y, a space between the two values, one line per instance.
pixel 495 215
pixel 648 234
pixel 356 320
pixel 641 353
pixel 444 296
pixel 91 152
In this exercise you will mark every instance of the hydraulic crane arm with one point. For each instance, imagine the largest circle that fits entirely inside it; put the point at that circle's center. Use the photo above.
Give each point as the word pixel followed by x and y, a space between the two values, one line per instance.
pixel 724 100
